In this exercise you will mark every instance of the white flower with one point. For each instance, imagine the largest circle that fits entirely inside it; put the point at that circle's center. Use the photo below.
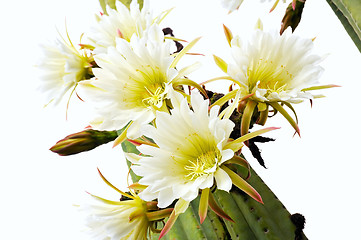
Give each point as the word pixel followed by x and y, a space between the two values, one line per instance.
pixel 116 220
pixel 191 151
pixel 62 67
pixel 133 82
pixel 275 68
pixel 120 23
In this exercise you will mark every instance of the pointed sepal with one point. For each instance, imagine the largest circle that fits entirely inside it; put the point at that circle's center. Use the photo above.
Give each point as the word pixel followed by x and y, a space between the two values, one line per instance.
pixel 138 187
pixel 242 184
pixel 180 207
pixel 320 87
pixel 263 116
pixel 240 162
pixel 112 186
pixel 234 145
pixel 220 63
pixel 274 5
pixel 122 137
pixel 228 34
pixel 259 25
pixel 203 204
pixel 159 214
pixel 223 100
pixel 281 110
pixel 188 82
pixel 183 52
pixel 217 209
pixel 247 116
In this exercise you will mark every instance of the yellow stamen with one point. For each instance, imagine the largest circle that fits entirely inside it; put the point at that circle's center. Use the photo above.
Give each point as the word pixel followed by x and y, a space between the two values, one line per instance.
pixel 268 75
pixel 155 98
pixel 202 164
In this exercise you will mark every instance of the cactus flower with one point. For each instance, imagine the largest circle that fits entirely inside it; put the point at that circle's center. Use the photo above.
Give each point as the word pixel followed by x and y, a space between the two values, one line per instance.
pixel 275 68
pixel 116 220
pixel 189 155
pixel 62 67
pixel 193 147
pixel 272 69
pixel 135 79
pixel 120 23
pixel 129 218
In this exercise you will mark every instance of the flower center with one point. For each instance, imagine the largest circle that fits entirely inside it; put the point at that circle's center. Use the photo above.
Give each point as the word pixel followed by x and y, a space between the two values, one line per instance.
pixel 154 96
pixel 205 164
pixel 269 75
pixel 151 84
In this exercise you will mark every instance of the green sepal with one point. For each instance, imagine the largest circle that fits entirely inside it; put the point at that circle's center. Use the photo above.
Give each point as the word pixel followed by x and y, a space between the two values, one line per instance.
pixel 217 209
pixel 281 110
pixel 130 148
pixel 263 116
pixel 240 161
pixel 122 136
pixel 320 87
pixel 188 82
pixel 183 52
pixel 234 145
pixel 112 186
pixel 203 204
pixel 228 34
pixel 223 100
pixel 159 214
pixel 242 184
pixel 247 116
pixel 220 63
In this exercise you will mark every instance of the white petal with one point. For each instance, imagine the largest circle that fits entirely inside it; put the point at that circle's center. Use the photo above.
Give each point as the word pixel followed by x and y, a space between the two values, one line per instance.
pixel 226 155
pixel 165 198
pixel 223 181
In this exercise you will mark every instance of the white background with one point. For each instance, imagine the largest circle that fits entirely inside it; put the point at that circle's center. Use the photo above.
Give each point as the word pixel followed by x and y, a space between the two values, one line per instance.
pixel 316 175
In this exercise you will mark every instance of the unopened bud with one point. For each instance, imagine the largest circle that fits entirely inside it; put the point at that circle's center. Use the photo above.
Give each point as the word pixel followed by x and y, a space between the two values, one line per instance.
pixel 83 141
pixel 292 16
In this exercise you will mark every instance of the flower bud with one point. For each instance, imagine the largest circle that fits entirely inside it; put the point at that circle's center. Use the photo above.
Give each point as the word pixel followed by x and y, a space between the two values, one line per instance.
pixel 83 141
pixel 292 16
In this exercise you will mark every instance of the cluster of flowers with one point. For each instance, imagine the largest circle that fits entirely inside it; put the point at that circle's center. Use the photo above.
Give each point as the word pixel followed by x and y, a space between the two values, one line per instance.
pixel 128 71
